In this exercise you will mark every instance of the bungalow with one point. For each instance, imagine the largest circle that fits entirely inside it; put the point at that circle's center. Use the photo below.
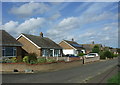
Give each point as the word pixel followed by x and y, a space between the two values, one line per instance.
pixel 42 46
pixel 88 47
pixel 10 47
pixel 71 47
pixel 113 50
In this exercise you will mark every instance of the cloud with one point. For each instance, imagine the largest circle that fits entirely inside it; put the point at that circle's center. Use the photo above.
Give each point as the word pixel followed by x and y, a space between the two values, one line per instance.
pixel 65 25
pixel 106 28
pixel 93 22
pixel 55 16
pixel 30 9
pixel 29 26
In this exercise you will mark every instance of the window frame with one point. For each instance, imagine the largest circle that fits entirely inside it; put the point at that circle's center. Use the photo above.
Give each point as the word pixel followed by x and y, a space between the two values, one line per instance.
pixel 14 52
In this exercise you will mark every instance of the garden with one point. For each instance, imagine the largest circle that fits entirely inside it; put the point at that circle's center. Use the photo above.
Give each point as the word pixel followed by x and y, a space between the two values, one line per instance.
pixel 31 58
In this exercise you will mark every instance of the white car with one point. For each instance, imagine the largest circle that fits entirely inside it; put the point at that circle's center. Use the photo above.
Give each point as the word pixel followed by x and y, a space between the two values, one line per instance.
pixel 91 55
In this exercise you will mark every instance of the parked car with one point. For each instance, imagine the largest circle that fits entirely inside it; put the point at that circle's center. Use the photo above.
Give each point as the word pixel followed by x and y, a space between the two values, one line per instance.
pixel 91 55
pixel 71 55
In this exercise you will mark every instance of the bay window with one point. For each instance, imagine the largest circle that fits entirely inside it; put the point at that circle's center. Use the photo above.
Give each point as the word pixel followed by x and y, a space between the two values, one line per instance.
pixel 9 51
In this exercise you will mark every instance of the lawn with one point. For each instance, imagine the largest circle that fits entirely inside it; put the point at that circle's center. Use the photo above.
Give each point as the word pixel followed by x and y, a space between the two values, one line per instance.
pixel 115 79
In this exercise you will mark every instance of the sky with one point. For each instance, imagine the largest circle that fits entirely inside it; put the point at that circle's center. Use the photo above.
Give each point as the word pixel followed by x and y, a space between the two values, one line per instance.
pixel 83 21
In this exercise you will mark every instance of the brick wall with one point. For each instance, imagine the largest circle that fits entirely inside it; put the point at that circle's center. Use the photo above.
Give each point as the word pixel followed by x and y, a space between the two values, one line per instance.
pixel 64 45
pixel 43 67
pixel 29 47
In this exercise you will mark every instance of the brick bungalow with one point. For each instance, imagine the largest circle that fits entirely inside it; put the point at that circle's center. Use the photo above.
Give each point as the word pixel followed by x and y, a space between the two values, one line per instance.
pixel 10 47
pixel 71 47
pixel 88 47
pixel 40 45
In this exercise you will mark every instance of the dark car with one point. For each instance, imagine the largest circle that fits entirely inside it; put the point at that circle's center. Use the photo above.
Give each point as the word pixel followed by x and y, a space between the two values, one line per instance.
pixel 71 55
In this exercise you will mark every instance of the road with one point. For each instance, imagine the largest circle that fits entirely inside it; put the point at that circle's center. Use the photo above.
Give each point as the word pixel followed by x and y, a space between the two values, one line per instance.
pixel 78 74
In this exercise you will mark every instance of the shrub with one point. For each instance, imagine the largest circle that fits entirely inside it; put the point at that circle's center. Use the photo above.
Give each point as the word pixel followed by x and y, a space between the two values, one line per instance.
pixel 32 56
pixel 41 60
pixel 13 60
pixel 51 60
pixel 108 54
pixel 81 54
pixel 33 62
pixel 9 60
pixel 115 55
pixel 26 59
pixel 102 55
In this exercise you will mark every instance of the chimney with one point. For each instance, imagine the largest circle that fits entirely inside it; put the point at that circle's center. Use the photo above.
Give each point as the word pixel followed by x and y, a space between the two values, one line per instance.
pixel 72 39
pixel 41 34
pixel 92 42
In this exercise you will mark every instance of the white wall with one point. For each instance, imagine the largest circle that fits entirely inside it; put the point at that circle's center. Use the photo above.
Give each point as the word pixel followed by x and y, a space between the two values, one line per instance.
pixel 83 51
pixel 68 51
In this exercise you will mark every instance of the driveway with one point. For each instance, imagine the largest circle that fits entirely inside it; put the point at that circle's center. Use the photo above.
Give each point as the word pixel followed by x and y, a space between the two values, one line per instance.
pixel 79 74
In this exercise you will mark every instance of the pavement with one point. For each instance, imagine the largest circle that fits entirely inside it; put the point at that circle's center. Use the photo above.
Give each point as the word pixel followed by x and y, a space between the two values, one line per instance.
pixel 79 74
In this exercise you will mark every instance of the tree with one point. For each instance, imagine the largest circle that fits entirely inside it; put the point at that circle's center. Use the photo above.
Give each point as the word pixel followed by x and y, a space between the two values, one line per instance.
pixel 108 54
pixel 96 49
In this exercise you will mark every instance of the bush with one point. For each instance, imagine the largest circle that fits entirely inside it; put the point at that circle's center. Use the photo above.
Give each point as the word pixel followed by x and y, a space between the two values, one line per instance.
pixel 32 56
pixel 107 54
pixel 96 49
pixel 41 60
pixel 102 55
pixel 13 60
pixel 9 60
pixel 81 54
pixel 33 62
pixel 26 59
pixel 115 55
pixel 51 60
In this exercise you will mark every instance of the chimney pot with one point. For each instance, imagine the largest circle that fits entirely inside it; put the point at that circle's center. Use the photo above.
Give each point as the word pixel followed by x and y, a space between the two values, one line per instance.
pixel 41 34
pixel 72 39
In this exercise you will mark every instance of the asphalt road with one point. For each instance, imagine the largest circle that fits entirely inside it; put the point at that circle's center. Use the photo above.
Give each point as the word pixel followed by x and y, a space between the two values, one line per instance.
pixel 78 74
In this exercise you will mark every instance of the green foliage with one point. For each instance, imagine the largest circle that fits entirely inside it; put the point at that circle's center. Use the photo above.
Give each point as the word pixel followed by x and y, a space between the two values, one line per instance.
pixel 108 54
pixel 115 79
pixel 96 49
pixel 13 60
pixel 41 60
pixel 26 59
pixel 102 55
pixel 81 54
pixel 10 60
pixel 51 60
pixel 32 56
pixel 33 62
pixel 115 55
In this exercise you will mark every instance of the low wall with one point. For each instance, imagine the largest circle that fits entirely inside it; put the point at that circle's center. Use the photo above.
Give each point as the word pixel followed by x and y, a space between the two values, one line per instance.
pixel 39 67
pixel 47 67
pixel 86 60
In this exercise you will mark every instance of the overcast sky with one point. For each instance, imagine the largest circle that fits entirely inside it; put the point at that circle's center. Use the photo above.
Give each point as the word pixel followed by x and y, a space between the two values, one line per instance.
pixel 83 21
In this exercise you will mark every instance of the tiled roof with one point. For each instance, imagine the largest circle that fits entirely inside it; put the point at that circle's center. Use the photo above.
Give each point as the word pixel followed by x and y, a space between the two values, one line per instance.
pixel 7 40
pixel 42 42
pixel 74 44
pixel 89 47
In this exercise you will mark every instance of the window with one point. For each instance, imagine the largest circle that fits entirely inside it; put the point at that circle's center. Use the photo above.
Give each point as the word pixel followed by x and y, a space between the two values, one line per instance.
pixel 57 53
pixel 44 52
pixel 9 51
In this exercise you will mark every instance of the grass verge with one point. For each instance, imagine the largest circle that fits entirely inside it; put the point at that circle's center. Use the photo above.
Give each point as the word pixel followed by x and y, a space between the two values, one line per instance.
pixel 115 79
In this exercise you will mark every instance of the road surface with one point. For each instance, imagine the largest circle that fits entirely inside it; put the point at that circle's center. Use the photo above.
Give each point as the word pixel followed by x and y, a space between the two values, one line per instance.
pixel 78 74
